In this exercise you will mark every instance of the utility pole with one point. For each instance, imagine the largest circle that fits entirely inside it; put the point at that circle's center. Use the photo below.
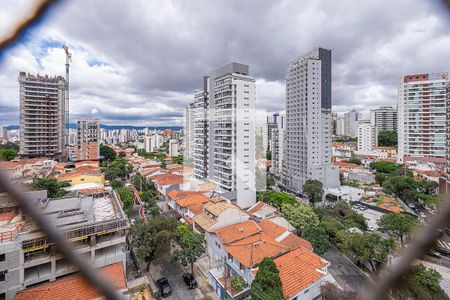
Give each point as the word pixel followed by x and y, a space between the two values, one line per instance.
pixel 66 101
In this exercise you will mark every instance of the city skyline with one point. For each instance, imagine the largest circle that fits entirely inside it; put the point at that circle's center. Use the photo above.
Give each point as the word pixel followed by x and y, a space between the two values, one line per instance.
pixel 109 84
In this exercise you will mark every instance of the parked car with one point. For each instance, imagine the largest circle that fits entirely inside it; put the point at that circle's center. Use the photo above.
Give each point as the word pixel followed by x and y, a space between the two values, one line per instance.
pixel 422 215
pixel 164 287
pixel 190 281
pixel 434 253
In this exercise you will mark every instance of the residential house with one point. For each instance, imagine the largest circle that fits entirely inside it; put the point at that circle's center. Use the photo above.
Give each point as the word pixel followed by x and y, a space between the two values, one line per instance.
pixel 217 215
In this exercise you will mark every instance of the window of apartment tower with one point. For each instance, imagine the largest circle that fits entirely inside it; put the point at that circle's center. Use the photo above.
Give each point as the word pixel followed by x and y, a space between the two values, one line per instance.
pixel 2 257
pixel 2 275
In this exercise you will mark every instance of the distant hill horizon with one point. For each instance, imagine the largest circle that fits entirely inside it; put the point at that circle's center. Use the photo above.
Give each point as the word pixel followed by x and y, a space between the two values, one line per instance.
pixel 115 127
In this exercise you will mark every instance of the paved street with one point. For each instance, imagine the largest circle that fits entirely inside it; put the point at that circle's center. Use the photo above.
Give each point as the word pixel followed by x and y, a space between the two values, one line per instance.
pixel 346 273
pixel 174 272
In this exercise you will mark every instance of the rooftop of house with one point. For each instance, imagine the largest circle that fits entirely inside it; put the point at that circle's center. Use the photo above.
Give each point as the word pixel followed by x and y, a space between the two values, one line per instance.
pixel 76 287
pixel 167 179
pixel 236 232
pixel 343 164
pixel 299 269
pixel 262 209
pixel 283 235
pixel 252 250
pixel 177 194
pixel 192 199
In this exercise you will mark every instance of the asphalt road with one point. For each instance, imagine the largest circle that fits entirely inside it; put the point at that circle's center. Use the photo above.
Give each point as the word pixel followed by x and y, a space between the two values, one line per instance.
pixel 174 272
pixel 345 272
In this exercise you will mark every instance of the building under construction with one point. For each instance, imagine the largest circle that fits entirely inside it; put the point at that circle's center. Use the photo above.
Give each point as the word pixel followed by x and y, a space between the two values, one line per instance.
pixel 94 224
pixel 42 115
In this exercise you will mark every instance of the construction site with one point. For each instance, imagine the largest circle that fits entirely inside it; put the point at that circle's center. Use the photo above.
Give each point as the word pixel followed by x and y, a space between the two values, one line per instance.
pixel 94 224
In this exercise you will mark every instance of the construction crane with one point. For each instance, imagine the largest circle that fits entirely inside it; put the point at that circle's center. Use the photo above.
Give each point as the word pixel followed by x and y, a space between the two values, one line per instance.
pixel 66 102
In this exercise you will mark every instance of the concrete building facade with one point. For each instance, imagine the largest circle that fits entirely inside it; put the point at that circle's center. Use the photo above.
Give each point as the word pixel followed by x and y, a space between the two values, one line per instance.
pixel 42 116
pixel 367 136
pixel 444 181
pixel 351 119
pixel 384 118
pixel 422 117
pixel 224 132
pixel 309 122
pixel 88 133
pixel 95 225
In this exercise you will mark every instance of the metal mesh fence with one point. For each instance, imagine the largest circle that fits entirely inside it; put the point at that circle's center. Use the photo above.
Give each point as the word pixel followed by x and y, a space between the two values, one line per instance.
pixel 422 240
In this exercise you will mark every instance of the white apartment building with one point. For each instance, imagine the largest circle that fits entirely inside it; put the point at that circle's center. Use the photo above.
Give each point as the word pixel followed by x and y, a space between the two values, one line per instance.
pixel 42 115
pixel 340 127
pixel 308 122
pixel 153 142
pixel 189 132
pixel 367 136
pixel 224 140
pixel 173 148
pixel 277 142
pixel 422 118
pixel 384 118
pixel 351 123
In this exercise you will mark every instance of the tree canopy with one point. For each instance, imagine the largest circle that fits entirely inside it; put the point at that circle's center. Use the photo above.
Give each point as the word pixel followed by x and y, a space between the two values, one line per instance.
pixel 118 169
pixel 8 154
pixel 126 195
pixel 178 159
pixel 300 216
pixel 384 166
pixel 366 248
pixel 397 225
pixel 317 236
pixel 53 186
pixel 314 189
pixel 420 283
pixel 152 239
pixel 277 199
pixel 387 138
pixel 107 153
pixel 192 246
pixel 267 282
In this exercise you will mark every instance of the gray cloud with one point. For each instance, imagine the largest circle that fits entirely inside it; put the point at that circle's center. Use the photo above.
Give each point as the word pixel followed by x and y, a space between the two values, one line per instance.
pixel 153 54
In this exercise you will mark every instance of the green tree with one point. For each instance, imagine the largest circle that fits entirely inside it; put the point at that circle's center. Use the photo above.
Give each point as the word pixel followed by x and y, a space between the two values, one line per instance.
pixel 401 186
pixel 192 246
pixel 314 189
pixel 152 239
pixel 269 155
pixel 427 186
pixel 237 283
pixel 420 283
pixel 387 138
pixel 355 161
pixel 300 216
pixel 366 248
pixel 429 200
pixel 277 199
pixel 119 169
pixel 10 145
pixel 317 236
pixel 107 153
pixel 126 195
pixel 331 226
pixel 397 225
pixel 384 167
pixel 8 154
pixel 116 184
pixel 267 282
pixel 54 187
pixel 178 159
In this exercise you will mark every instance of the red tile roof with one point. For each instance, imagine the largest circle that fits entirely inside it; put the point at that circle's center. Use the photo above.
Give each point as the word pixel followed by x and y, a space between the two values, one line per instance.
pixel 167 179
pixel 293 241
pixel 192 199
pixel 298 270
pixel 271 229
pixel 75 287
pixel 253 249
pixel 237 231
pixel 176 194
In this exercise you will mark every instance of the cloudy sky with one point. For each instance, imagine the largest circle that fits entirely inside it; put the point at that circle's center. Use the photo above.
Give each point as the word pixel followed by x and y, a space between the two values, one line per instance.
pixel 138 62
